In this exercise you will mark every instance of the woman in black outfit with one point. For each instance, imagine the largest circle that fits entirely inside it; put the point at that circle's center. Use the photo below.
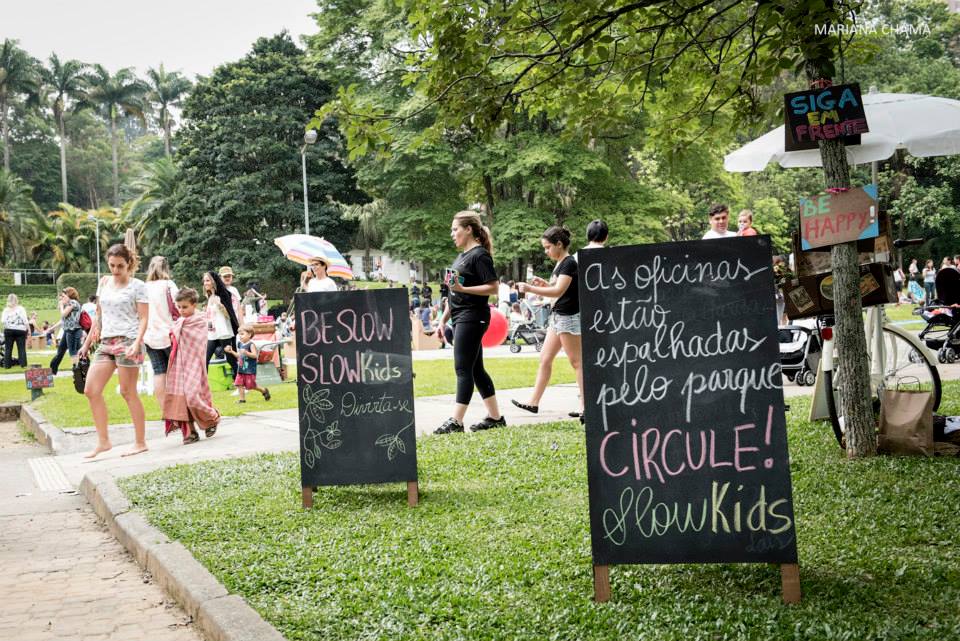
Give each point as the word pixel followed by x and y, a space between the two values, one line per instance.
pixel 474 282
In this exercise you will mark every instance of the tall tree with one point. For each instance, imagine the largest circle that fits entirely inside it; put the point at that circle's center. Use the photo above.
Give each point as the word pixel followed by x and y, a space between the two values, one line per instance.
pixel 16 205
pixel 150 213
pixel 167 89
pixel 18 76
pixel 114 95
pixel 66 81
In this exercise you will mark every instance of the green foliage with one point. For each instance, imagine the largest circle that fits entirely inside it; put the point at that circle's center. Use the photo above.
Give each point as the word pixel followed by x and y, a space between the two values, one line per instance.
pixel 239 180
pixel 30 291
pixel 16 206
pixel 508 551
pixel 85 283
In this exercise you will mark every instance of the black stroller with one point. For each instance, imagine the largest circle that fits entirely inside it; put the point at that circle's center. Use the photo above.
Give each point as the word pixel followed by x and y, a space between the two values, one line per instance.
pixel 526 331
pixel 942 314
pixel 799 353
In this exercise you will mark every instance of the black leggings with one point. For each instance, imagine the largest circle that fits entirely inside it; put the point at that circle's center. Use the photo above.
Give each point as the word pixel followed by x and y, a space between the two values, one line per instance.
pixel 231 359
pixel 13 337
pixel 468 362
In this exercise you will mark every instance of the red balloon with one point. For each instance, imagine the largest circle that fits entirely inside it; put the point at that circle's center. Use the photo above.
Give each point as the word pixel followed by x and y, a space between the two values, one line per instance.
pixel 497 329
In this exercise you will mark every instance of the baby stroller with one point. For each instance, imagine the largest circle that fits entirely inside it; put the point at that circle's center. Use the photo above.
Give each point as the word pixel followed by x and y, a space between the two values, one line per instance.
pixel 942 314
pixel 799 352
pixel 527 331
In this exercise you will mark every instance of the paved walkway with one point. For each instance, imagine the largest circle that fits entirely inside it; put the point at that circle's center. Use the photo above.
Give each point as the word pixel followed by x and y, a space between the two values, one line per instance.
pixel 64 577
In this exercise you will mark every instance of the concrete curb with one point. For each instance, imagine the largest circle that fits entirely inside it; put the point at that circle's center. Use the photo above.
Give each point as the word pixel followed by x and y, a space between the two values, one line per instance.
pixel 219 615
pixel 46 433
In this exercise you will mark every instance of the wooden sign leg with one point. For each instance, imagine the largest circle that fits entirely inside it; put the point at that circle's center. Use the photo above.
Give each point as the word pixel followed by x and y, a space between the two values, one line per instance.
pixel 413 493
pixel 307 495
pixel 601 583
pixel 790 581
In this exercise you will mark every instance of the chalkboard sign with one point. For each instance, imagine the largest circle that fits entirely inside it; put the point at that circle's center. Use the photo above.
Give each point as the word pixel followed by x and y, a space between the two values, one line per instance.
pixel 841 217
pixel 823 114
pixel 38 377
pixel 686 435
pixel 355 387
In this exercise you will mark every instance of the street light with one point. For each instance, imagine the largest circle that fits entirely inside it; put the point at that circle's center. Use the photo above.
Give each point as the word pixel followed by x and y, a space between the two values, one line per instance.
pixel 97 222
pixel 309 138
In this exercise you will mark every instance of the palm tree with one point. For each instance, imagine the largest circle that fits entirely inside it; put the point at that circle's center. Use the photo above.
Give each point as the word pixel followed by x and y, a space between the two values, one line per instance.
pixel 16 205
pixel 149 213
pixel 17 76
pixel 113 94
pixel 369 217
pixel 64 80
pixel 166 90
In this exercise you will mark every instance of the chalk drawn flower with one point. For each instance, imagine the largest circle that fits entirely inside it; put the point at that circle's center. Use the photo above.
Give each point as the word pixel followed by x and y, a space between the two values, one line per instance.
pixel 314 440
pixel 316 402
pixel 393 443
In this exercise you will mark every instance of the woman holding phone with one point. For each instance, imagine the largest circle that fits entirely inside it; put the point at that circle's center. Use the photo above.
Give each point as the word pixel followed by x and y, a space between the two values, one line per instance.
pixel 472 280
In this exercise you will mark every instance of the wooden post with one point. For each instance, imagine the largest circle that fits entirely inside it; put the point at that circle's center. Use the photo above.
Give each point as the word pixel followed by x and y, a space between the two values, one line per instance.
pixel 307 495
pixel 601 583
pixel 790 581
pixel 413 493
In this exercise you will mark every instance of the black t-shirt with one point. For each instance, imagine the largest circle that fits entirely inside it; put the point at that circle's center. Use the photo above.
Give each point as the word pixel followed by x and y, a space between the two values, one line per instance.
pixel 569 303
pixel 476 268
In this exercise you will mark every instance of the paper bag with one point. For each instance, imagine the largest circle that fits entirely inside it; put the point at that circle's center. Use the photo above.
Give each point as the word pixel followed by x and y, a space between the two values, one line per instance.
pixel 906 422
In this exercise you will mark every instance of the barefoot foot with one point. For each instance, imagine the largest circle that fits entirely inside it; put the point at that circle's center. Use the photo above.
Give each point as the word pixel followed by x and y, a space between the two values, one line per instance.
pixel 137 449
pixel 100 449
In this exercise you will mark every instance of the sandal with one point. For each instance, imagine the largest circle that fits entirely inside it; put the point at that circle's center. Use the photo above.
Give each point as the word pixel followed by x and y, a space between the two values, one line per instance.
pixel 210 431
pixel 533 409
pixel 192 438
pixel 266 394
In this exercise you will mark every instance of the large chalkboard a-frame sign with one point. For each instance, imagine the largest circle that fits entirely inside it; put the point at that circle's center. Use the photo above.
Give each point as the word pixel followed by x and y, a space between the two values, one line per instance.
pixel 686 435
pixel 355 390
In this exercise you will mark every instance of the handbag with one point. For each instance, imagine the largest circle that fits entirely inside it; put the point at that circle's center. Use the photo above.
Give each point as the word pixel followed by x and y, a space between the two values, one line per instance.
pixel 906 422
pixel 80 369
pixel 174 312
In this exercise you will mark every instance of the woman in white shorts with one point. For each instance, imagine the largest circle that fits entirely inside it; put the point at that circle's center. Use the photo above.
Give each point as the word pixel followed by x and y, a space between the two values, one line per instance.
pixel 564 328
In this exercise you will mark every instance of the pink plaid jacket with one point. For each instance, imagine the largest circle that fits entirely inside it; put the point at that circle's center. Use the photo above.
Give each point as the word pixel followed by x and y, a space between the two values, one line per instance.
pixel 188 396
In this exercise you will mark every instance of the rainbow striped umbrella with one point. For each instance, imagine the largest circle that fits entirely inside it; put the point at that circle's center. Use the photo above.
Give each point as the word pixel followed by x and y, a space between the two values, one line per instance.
pixel 301 248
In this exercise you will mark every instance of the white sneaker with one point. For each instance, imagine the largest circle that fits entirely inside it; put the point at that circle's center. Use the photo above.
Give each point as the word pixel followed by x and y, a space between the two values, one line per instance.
pixel 236 392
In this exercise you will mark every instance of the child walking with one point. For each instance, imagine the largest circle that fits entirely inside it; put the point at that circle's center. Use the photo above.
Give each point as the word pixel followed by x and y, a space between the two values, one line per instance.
pixel 188 402
pixel 246 354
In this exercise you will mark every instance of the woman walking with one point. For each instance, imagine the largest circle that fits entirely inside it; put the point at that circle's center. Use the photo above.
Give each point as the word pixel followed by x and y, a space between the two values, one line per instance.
pixel 472 280
pixel 564 328
pixel 221 319
pixel 16 325
pixel 72 338
pixel 929 280
pixel 119 328
pixel 161 297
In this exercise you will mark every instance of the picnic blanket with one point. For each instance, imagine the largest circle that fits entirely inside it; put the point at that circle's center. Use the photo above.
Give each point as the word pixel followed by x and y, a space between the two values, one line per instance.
pixel 188 398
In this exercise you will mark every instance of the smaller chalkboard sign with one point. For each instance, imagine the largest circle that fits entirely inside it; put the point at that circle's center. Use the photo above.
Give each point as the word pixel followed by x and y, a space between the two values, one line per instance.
pixel 823 114
pixel 38 377
pixel 355 390
pixel 841 217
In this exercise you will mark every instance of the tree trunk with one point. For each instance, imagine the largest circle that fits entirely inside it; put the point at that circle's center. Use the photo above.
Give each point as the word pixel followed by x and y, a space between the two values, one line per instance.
pixel 166 137
pixel 116 168
pixel 6 135
pixel 853 364
pixel 63 158
pixel 488 190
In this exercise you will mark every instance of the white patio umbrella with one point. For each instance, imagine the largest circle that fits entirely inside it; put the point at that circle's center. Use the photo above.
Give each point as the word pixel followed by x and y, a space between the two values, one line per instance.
pixel 923 125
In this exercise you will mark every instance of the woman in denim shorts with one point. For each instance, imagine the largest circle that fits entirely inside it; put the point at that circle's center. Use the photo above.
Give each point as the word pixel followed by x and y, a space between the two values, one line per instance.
pixel 119 328
pixel 564 328
pixel 161 292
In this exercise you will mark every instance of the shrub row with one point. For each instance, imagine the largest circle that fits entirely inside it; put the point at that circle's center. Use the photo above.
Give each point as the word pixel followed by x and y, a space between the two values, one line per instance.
pixel 23 291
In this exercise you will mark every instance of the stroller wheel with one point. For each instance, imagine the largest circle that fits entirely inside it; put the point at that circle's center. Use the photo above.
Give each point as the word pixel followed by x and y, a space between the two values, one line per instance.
pixel 809 378
pixel 792 376
pixel 514 348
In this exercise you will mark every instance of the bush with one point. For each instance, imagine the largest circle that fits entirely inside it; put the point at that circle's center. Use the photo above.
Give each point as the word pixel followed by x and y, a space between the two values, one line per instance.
pixel 84 283
pixel 33 291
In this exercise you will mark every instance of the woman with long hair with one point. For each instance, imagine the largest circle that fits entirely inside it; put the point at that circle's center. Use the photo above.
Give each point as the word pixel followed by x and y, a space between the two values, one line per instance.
pixel 121 322
pixel 69 304
pixel 221 318
pixel 16 325
pixel 564 328
pixel 161 294
pixel 472 281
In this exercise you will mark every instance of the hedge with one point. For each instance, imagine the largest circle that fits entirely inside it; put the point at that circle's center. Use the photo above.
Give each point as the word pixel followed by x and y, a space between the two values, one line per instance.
pixel 29 291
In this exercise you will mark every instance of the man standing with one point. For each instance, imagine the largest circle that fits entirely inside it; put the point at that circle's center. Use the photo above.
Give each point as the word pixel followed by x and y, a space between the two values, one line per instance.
pixel 227 275
pixel 719 217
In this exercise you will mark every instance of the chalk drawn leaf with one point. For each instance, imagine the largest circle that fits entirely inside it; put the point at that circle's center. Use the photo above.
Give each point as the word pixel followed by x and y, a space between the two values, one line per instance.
pixel 384 440
pixel 392 451
pixel 400 445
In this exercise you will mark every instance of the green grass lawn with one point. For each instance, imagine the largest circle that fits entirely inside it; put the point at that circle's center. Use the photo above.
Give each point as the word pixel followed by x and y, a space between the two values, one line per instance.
pixel 64 407
pixel 499 547
pixel 42 358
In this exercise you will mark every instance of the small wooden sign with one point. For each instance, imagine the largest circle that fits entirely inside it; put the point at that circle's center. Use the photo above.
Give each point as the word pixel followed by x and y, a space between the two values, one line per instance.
pixel 38 377
pixel 835 218
pixel 823 114
pixel 355 390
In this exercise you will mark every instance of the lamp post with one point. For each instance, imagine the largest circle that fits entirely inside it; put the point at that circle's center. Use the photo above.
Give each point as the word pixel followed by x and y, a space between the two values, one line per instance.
pixel 309 138
pixel 97 223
